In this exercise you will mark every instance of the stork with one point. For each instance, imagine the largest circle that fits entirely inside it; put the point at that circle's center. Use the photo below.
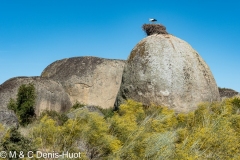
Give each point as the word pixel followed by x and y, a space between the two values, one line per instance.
pixel 152 20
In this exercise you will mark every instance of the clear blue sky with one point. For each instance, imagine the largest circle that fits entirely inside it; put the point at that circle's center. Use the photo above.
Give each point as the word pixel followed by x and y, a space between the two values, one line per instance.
pixel 35 33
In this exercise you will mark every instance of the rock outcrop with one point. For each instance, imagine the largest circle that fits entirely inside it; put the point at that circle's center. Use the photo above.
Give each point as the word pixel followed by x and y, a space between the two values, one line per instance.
pixel 88 80
pixel 8 118
pixel 227 93
pixel 165 70
pixel 50 94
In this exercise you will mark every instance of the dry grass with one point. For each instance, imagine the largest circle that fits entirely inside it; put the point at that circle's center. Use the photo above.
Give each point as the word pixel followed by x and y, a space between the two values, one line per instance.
pixel 151 29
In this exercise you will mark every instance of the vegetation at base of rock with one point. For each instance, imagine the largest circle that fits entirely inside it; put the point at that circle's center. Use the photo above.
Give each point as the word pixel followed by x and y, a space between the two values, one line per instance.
pixel 107 112
pixel 60 118
pixel 151 29
pixel 89 131
pixel 139 132
pixel 24 105
pixel 78 105
pixel 14 141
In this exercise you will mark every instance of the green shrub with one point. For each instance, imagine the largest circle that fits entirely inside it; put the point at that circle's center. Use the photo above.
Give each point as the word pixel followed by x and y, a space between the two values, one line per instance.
pixel 12 105
pixel 78 105
pixel 107 112
pixel 24 105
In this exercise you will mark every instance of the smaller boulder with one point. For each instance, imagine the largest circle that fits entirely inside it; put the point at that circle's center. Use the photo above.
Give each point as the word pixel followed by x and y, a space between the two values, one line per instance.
pixel 227 93
pixel 50 95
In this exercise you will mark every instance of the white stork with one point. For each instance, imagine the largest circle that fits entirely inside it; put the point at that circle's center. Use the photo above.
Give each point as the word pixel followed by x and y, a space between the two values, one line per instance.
pixel 152 20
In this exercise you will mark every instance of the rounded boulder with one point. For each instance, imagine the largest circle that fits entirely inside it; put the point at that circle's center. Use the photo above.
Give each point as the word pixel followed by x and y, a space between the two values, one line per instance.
pixel 49 94
pixel 165 70
pixel 88 80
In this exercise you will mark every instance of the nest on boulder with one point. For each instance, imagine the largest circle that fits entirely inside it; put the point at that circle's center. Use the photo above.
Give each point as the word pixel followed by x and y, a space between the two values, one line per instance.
pixel 154 29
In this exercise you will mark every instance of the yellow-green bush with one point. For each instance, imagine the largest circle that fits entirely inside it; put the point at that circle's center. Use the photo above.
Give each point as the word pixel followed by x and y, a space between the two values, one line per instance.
pixel 213 133
pixel 164 121
pixel 154 132
pixel 125 122
pixel 47 134
pixel 3 131
pixel 87 127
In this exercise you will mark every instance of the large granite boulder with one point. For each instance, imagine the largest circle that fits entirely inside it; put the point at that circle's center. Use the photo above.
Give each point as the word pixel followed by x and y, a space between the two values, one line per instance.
pixel 50 94
pixel 88 80
pixel 165 70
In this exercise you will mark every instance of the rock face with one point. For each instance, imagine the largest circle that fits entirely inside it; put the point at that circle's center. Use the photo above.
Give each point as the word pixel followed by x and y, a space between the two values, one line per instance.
pixel 50 94
pixel 88 80
pixel 165 70
pixel 226 92
pixel 8 118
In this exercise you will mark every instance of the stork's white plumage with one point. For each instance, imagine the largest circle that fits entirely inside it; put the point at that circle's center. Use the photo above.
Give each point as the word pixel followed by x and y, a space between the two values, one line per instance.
pixel 152 20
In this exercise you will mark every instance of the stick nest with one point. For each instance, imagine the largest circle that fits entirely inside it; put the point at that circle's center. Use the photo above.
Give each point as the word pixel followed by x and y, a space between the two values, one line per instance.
pixel 151 29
